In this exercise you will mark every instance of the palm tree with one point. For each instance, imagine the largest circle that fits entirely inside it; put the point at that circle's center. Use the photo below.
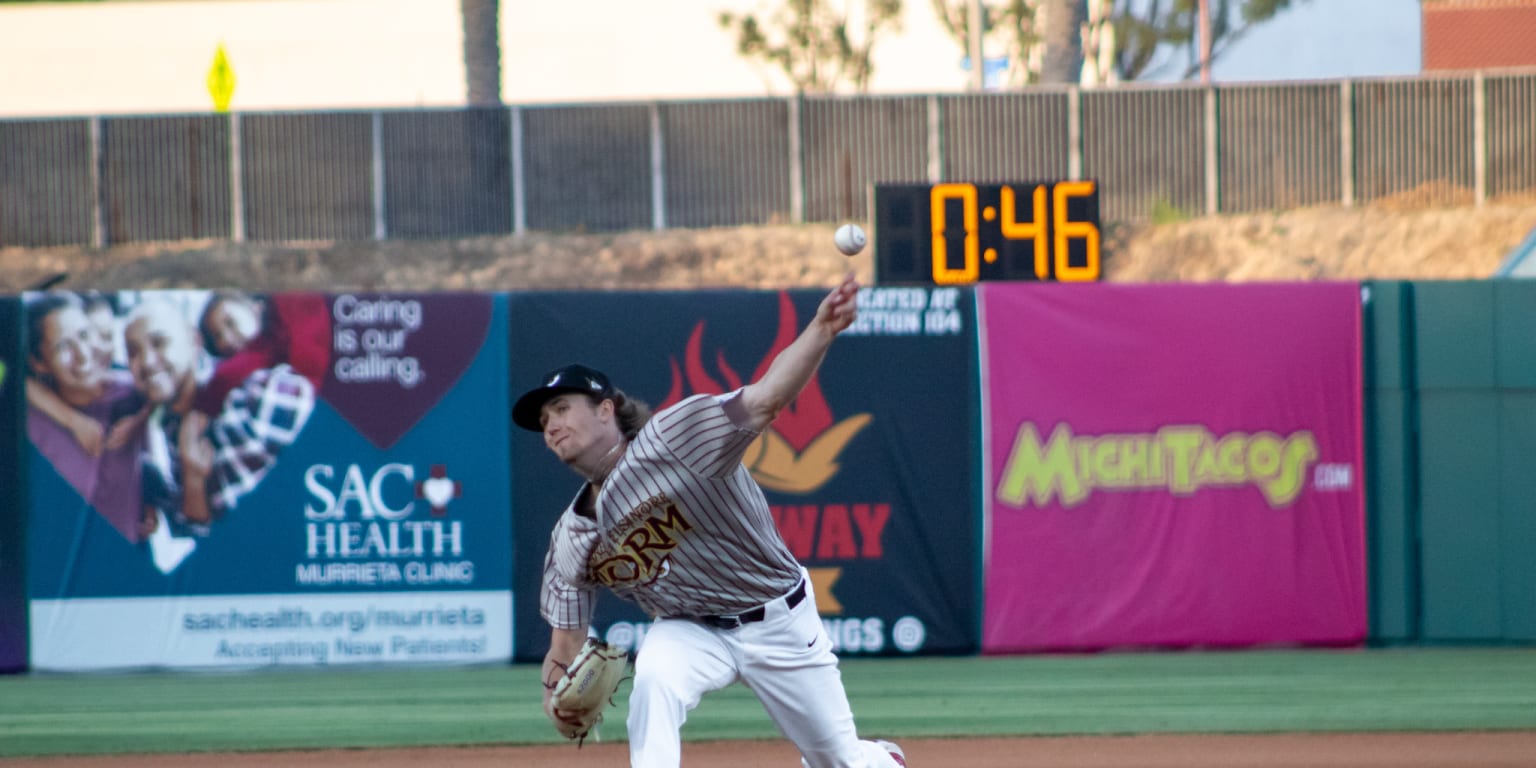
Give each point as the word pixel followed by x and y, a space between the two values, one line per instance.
pixel 1060 24
pixel 482 51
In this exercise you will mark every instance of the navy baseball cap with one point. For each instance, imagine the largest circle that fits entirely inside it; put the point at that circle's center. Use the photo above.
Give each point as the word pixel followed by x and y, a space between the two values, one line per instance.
pixel 571 378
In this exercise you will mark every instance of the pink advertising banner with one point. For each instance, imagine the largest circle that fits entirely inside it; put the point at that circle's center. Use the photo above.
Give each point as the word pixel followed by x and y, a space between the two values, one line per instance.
pixel 1172 465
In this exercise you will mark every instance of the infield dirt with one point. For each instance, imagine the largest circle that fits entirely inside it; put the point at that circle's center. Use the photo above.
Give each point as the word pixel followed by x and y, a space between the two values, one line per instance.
pixel 1398 750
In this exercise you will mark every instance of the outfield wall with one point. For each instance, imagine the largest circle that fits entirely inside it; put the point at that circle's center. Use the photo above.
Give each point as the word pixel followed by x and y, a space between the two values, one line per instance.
pixel 870 474
pixel 1452 394
pixel 1173 466
pixel 362 511
pixel 13 593
pixel 1008 469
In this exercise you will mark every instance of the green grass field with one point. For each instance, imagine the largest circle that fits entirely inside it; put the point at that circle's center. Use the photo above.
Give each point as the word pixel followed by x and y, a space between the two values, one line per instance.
pixel 1112 693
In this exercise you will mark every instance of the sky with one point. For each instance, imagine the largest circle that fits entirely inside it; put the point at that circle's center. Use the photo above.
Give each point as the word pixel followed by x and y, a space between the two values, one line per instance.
pixel 1317 40
pixel 1329 39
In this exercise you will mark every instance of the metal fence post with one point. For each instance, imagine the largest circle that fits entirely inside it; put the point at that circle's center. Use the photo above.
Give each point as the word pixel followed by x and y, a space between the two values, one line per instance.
pixel 935 141
pixel 98 193
pixel 1075 133
pixel 236 181
pixel 796 162
pixel 1347 143
pixel 1480 138
pixel 519 192
pixel 658 171
pixel 380 226
pixel 1212 155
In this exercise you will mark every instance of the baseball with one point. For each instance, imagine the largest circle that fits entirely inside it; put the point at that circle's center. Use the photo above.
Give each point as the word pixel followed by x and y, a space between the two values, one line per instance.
pixel 849 239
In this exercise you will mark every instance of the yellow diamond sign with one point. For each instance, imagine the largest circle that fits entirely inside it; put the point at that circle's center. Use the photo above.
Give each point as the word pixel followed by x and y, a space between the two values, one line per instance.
pixel 221 80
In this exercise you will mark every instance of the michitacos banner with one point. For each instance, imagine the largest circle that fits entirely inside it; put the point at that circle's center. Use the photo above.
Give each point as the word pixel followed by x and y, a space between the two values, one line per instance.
pixel 1173 465
pixel 869 474
pixel 224 480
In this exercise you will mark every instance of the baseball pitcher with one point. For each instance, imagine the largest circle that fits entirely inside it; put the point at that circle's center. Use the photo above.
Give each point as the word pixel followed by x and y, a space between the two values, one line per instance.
pixel 669 518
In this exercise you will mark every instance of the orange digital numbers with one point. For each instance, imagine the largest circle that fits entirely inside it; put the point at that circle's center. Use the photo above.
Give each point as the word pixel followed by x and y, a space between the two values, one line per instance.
pixel 1034 229
pixel 942 274
pixel 1066 230
pixel 960 233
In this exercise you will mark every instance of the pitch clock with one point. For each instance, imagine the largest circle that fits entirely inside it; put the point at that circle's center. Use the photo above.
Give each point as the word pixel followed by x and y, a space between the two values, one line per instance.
pixel 960 233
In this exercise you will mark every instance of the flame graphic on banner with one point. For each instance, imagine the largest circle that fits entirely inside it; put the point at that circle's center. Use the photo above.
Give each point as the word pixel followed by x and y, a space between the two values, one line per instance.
pixel 798 452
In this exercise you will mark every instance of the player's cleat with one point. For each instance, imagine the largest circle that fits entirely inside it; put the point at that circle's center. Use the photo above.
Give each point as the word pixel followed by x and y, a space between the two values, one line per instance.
pixel 897 756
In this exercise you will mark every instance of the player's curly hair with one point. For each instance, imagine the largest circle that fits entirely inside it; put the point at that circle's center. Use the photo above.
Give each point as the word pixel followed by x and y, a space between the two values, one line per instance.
pixel 632 413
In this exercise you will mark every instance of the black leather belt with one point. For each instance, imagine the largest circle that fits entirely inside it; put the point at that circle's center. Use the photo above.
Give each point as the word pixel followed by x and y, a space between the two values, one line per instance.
pixel 756 614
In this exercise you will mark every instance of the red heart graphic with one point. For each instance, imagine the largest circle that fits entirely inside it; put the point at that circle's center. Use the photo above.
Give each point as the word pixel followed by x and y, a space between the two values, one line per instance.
pixel 394 356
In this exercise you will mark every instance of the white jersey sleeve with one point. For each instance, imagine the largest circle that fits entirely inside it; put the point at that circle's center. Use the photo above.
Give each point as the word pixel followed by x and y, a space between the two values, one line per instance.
pixel 706 433
pixel 567 598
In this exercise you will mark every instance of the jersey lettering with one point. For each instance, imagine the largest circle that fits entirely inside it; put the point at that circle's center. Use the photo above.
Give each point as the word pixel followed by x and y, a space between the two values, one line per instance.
pixel 645 541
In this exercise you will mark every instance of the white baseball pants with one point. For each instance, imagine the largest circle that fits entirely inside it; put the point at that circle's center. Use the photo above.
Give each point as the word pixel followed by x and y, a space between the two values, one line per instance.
pixel 786 659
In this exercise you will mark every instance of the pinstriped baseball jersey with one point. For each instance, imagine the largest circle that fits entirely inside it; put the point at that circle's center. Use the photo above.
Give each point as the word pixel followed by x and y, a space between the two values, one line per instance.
pixel 681 528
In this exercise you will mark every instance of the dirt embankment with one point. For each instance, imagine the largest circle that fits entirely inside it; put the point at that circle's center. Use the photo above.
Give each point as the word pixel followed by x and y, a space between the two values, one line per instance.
pixel 1385 240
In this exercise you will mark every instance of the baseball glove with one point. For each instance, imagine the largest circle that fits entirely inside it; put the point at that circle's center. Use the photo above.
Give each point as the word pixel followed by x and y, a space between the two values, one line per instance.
pixel 579 697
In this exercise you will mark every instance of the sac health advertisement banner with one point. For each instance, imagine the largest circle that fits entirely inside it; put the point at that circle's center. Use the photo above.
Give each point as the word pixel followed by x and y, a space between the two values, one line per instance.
pixel 1173 465
pixel 13 596
pixel 869 474
pixel 225 480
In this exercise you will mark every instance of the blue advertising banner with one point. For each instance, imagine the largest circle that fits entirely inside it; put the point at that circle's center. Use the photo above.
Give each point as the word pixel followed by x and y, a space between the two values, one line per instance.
pixel 13 596
pixel 870 474
pixel 225 480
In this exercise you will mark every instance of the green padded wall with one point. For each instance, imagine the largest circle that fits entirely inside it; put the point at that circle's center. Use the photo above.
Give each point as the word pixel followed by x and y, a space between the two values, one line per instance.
pixel 1475 366
pixel 13 549
pixel 1517 492
pixel 1390 463
pixel 1515 369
